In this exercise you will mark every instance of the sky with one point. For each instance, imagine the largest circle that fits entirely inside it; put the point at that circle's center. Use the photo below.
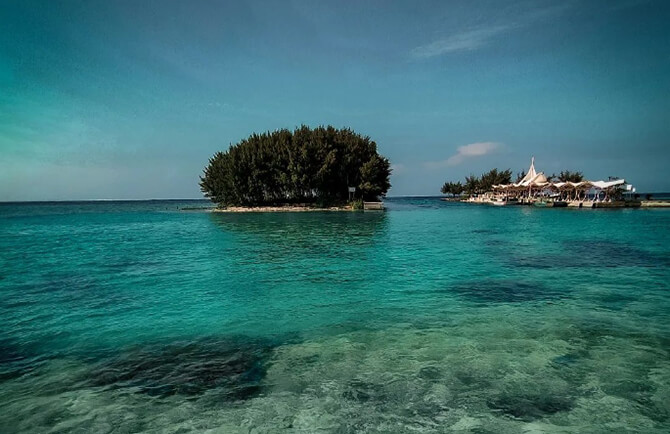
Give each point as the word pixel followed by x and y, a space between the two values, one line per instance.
pixel 129 99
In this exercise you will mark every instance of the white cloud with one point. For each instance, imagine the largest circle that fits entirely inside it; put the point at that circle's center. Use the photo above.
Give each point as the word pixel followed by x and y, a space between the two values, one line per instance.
pixel 472 150
pixel 464 41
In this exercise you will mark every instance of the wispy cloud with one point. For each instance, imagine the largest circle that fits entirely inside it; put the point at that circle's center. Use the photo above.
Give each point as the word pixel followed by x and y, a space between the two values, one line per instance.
pixel 465 41
pixel 472 150
pixel 473 38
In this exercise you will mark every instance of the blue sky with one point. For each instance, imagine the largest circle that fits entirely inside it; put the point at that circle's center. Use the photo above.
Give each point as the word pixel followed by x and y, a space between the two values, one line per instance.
pixel 129 99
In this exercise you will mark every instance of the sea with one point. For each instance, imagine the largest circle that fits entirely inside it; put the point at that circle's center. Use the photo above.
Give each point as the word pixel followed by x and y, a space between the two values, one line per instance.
pixel 429 317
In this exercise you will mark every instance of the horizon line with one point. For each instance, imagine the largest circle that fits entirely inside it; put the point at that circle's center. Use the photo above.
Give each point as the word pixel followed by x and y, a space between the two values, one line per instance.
pixel 206 199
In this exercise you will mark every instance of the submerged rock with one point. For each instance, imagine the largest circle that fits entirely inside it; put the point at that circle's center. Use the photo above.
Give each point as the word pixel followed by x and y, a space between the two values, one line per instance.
pixel 362 391
pixel 485 231
pixel 504 291
pixel 15 360
pixel 606 253
pixel 591 253
pixel 530 407
pixel 234 368
pixel 565 360
pixel 430 373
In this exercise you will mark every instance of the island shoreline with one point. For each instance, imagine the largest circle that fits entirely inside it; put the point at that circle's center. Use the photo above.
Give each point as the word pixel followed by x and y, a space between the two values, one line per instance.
pixel 256 209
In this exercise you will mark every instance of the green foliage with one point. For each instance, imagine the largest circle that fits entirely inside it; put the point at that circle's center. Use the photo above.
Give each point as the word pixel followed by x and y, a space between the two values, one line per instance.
pixel 484 183
pixel 303 166
pixel 566 176
pixel 471 184
pixel 374 177
pixel 357 204
pixel 617 193
pixel 454 188
pixel 474 184
pixel 494 177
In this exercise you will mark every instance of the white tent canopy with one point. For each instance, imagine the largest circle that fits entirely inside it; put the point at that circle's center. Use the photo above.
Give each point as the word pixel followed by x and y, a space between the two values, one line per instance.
pixel 530 179
pixel 530 175
pixel 608 184
pixel 538 180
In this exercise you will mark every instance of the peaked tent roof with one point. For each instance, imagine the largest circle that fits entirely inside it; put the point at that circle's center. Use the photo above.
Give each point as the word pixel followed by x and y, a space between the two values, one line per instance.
pixel 532 178
pixel 531 172
pixel 538 179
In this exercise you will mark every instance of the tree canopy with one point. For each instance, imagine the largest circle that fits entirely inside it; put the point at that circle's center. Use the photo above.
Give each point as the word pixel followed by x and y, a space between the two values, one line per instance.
pixel 454 188
pixel 474 184
pixel 566 176
pixel 494 177
pixel 301 166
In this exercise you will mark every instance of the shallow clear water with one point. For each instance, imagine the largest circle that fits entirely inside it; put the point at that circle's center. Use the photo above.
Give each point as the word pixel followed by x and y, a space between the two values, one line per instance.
pixel 430 317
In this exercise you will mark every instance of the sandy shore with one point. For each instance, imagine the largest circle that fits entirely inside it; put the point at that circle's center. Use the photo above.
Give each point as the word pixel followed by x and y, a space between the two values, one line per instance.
pixel 655 204
pixel 280 209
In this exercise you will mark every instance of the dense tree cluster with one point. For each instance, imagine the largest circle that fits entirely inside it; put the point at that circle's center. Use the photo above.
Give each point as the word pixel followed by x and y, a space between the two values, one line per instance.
pixel 474 184
pixel 453 188
pixel 484 183
pixel 301 166
pixel 566 176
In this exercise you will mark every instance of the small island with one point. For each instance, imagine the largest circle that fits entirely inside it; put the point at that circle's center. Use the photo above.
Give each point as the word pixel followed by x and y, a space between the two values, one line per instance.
pixel 324 168
pixel 568 189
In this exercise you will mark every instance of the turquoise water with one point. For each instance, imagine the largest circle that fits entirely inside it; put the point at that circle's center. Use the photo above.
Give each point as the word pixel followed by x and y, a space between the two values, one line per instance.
pixel 430 317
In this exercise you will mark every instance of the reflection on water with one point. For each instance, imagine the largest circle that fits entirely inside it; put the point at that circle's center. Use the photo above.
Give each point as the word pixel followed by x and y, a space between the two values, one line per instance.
pixel 306 230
